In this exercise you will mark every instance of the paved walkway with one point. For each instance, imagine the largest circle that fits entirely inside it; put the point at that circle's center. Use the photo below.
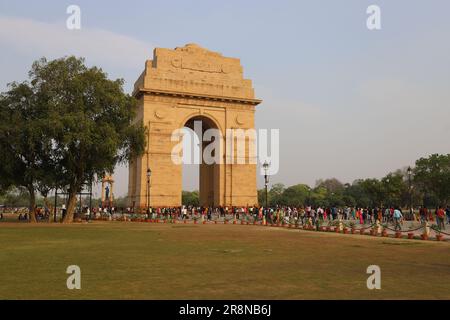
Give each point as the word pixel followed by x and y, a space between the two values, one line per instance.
pixel 414 227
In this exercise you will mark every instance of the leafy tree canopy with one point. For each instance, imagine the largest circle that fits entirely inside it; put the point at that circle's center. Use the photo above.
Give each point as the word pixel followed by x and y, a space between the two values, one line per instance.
pixel 68 125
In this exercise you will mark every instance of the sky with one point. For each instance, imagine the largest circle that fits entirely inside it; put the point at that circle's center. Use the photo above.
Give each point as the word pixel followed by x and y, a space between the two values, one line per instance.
pixel 349 102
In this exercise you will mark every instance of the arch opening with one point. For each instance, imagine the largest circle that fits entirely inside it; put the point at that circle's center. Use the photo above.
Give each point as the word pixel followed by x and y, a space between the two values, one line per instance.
pixel 198 173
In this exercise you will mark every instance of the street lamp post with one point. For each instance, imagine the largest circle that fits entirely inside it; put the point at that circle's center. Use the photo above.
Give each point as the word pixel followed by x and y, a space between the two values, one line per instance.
pixel 149 174
pixel 309 196
pixel 386 193
pixel 409 172
pixel 266 181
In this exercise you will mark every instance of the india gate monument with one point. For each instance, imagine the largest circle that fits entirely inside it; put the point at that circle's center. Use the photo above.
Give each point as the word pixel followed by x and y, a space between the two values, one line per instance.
pixel 177 88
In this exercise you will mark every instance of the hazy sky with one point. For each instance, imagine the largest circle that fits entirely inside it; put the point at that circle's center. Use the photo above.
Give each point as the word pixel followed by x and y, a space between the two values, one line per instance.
pixel 349 102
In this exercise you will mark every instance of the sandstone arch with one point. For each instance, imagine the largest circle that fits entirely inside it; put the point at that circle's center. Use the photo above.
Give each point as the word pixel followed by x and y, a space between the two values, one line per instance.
pixel 179 85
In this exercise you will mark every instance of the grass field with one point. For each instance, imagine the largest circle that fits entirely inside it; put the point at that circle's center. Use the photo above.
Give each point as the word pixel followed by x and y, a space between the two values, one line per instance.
pixel 149 261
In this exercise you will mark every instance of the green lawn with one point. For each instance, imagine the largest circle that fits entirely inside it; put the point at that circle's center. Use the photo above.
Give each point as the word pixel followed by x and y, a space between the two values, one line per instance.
pixel 147 261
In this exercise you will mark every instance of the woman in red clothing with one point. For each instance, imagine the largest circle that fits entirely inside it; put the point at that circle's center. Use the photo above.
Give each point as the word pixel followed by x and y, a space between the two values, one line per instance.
pixel 361 216
pixel 440 216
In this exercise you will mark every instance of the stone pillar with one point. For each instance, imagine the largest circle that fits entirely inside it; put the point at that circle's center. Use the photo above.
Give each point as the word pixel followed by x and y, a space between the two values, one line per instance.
pixel 378 227
pixel 426 228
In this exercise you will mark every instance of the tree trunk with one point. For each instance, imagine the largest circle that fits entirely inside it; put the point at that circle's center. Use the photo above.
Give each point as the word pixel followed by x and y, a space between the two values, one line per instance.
pixel 32 205
pixel 50 209
pixel 70 206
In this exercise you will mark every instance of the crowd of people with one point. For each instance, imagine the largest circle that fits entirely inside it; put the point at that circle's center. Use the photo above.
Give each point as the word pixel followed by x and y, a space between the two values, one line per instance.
pixel 307 214
pixel 275 214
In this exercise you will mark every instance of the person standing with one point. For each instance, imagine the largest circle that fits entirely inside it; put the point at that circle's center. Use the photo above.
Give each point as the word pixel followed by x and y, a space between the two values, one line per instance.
pixel 88 214
pixel 447 211
pixel 422 214
pixel 440 217
pixel 320 213
pixel 386 215
pixel 302 215
pixel 361 216
pixel 366 214
pixel 380 215
pixel 347 213
pixel 209 213
pixel 63 211
pixel 430 215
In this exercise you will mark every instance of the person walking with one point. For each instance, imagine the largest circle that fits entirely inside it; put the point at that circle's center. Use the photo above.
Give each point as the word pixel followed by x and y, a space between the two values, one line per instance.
pixel 397 219
pixel 380 215
pixel 320 213
pixel 347 213
pixel 333 213
pixel 440 217
pixel 423 214
pixel 302 215
pixel 386 215
pixel 365 215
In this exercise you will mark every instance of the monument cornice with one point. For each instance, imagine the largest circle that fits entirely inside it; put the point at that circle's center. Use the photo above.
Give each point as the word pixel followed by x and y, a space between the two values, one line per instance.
pixel 141 91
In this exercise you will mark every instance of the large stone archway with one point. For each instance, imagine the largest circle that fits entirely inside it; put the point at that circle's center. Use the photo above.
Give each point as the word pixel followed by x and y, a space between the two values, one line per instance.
pixel 209 174
pixel 177 87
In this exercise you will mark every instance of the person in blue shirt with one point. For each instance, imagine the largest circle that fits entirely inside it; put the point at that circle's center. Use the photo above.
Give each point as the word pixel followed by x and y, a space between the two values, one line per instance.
pixel 447 213
pixel 397 218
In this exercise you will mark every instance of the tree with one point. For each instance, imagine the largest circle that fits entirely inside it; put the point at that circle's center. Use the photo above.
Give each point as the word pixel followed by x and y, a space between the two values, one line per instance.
pixel 189 198
pixel 319 197
pixel 24 140
pixel 432 176
pixel 69 118
pixel 92 120
pixel 332 185
pixel 331 192
pixel 276 194
pixel 296 195
pixel 373 191
pixel 4 187
pixel 394 188
pixel 262 197
pixel 357 192
pixel 15 197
